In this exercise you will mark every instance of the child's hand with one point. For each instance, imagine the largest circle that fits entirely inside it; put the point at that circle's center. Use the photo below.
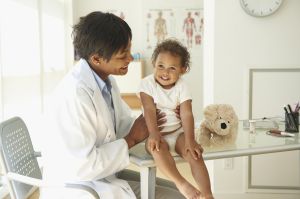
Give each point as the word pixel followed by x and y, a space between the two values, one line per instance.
pixel 154 141
pixel 194 148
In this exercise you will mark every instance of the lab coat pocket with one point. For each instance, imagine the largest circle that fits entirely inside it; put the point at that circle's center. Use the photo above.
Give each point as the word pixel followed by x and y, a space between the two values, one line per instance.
pixel 121 183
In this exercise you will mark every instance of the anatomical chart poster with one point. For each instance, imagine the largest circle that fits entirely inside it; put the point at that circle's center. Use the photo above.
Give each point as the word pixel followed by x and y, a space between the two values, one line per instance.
pixel 186 25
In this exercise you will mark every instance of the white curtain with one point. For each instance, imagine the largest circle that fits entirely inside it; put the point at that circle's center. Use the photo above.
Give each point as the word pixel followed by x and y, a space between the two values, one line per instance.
pixel 32 58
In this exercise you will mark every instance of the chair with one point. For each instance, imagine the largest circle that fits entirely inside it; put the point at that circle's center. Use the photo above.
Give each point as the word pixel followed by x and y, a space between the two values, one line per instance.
pixel 19 163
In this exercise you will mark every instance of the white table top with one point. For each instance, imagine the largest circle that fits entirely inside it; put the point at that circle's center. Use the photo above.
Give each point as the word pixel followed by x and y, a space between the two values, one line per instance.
pixel 246 144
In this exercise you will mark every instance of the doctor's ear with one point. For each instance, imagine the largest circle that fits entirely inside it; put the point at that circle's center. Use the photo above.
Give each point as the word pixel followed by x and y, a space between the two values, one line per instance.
pixel 95 59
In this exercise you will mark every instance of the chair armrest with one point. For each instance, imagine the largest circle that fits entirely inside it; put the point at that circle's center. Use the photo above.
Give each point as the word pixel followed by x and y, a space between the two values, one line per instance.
pixel 37 154
pixel 31 181
pixel 83 188
pixel 42 183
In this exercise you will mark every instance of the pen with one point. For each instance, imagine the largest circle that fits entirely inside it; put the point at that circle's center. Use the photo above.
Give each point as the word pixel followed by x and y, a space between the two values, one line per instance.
pixel 285 110
pixel 287 115
pixel 290 109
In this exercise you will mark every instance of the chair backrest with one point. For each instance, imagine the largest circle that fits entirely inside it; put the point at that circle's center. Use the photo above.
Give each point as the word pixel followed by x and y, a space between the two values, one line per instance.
pixel 17 155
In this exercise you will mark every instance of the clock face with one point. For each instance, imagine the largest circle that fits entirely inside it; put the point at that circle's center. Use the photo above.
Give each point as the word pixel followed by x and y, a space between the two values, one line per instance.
pixel 260 8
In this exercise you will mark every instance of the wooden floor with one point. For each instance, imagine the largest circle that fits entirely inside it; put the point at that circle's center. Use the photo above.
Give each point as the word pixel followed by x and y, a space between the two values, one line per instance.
pixel 35 195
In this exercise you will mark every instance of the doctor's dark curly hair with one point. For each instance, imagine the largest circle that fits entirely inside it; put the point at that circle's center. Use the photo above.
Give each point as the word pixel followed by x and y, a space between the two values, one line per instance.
pixel 174 47
pixel 101 33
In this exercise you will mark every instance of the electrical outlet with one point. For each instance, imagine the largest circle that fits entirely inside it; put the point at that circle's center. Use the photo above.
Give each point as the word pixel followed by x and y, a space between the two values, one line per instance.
pixel 228 163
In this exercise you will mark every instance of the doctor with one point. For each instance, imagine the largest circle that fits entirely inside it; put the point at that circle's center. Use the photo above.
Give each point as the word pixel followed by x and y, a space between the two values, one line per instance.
pixel 91 127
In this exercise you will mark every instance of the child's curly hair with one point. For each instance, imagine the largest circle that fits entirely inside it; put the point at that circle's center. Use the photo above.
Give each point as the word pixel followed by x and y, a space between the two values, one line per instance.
pixel 174 47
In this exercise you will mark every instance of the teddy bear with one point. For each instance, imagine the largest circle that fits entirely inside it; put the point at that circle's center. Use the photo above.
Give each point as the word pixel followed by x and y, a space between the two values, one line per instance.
pixel 219 127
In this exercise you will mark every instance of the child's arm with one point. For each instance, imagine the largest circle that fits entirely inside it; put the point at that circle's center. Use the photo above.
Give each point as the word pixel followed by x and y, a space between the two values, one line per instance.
pixel 187 119
pixel 151 121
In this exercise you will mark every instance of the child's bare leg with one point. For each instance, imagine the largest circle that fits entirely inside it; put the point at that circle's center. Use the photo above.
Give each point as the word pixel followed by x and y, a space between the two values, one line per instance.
pixel 198 168
pixel 166 164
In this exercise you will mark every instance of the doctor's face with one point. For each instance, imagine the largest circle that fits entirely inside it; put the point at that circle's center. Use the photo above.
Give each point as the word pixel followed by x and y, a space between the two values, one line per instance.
pixel 117 65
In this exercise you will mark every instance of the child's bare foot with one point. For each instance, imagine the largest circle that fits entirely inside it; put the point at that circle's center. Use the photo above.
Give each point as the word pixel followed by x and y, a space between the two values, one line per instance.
pixel 188 190
pixel 206 197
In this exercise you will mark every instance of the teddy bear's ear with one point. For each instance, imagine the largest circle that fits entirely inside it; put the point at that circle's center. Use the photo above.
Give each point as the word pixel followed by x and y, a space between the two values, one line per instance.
pixel 211 111
pixel 229 111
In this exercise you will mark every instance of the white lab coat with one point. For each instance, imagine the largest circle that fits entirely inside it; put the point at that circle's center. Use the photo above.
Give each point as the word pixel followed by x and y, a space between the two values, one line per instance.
pixel 82 146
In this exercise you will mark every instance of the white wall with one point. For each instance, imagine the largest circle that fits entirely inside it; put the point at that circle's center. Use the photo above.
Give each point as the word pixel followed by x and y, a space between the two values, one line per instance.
pixel 242 42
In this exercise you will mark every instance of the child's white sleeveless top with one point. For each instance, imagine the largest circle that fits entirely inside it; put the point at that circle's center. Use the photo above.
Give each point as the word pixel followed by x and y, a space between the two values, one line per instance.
pixel 166 99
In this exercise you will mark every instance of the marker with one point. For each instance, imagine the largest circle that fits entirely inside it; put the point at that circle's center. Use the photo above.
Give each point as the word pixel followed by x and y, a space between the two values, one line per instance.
pixel 287 134
pixel 275 131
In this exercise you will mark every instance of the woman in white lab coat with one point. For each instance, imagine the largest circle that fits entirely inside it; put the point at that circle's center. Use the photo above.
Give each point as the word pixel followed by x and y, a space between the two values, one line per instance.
pixel 90 134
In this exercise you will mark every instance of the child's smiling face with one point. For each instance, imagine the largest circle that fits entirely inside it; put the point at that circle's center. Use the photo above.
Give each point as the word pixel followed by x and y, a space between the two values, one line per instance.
pixel 167 69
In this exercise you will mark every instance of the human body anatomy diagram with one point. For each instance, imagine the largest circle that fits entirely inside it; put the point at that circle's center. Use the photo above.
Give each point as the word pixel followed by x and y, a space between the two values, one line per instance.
pixel 186 25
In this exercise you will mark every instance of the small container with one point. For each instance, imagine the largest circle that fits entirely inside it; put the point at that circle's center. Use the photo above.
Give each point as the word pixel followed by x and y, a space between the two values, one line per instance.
pixel 292 122
pixel 252 125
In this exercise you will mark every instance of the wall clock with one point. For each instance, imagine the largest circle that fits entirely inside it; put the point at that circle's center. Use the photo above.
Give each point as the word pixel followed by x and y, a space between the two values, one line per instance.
pixel 260 8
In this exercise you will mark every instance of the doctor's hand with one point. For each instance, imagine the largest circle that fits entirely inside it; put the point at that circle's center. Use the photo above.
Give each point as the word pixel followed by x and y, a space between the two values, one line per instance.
pixel 161 119
pixel 138 132
pixel 177 111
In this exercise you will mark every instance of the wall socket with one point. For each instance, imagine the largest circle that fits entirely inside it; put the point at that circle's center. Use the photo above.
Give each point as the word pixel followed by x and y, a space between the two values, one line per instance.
pixel 228 163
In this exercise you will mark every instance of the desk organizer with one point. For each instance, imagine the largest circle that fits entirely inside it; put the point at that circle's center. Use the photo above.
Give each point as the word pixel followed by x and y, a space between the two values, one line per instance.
pixel 292 122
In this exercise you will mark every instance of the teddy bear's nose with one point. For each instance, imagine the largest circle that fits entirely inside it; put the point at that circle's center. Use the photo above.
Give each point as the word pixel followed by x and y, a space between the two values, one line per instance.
pixel 223 125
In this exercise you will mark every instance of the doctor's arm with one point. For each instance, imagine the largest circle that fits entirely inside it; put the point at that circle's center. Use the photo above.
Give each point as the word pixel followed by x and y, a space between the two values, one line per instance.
pixel 88 144
pixel 137 133
pixel 139 130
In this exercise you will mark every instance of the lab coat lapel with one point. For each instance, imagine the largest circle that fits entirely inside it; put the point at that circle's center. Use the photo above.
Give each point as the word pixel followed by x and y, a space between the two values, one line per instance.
pixel 101 106
pixel 98 100
pixel 114 99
